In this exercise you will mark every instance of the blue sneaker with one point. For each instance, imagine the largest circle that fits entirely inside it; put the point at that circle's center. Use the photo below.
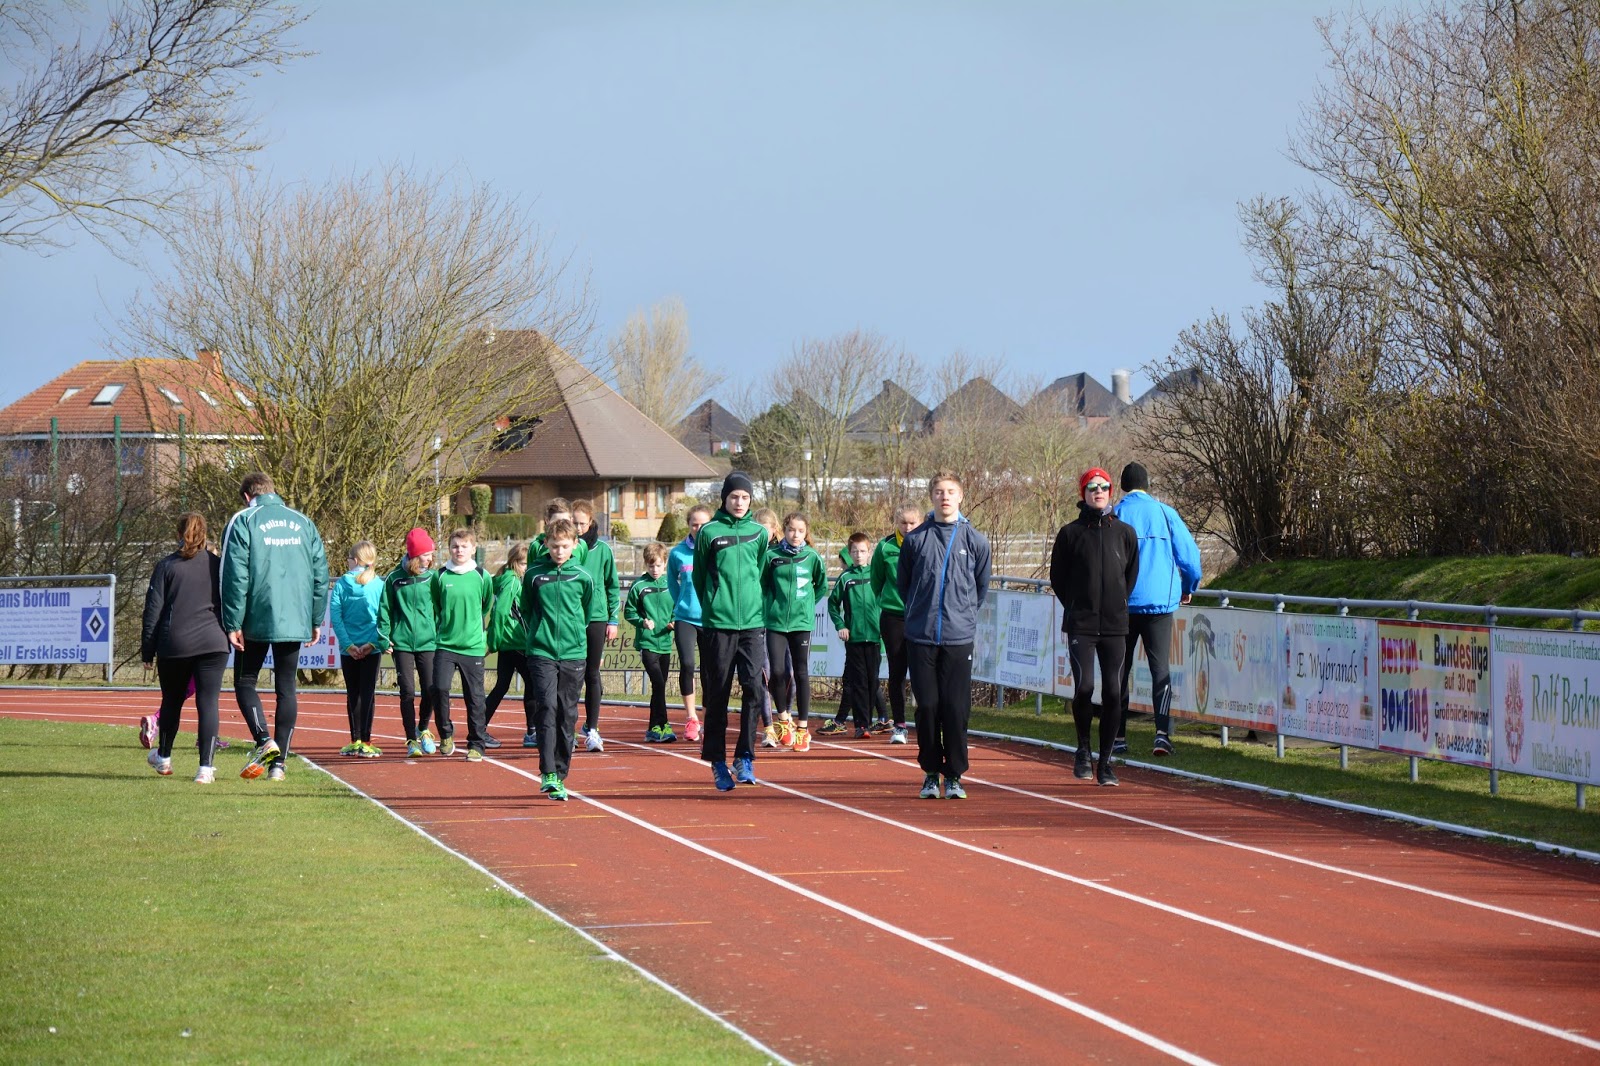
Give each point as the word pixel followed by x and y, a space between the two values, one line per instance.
pixel 530 739
pixel 429 745
pixel 719 774
pixel 744 771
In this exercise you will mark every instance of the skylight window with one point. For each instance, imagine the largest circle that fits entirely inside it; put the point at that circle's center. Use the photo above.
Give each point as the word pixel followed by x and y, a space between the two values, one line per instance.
pixel 69 394
pixel 172 397
pixel 107 395
pixel 208 398
pixel 243 398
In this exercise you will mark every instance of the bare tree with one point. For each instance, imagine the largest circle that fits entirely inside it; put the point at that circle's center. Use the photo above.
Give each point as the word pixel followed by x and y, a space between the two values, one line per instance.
pixel 100 134
pixel 358 321
pixel 651 365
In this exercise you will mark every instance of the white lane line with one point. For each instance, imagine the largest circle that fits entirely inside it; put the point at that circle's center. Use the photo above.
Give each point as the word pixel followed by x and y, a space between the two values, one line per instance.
pixel 1116 1026
pixel 609 952
pixel 1179 912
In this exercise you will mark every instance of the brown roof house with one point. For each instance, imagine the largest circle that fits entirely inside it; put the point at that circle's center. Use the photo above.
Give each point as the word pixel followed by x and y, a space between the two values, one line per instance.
pixel 976 402
pixel 155 415
pixel 711 429
pixel 890 414
pixel 594 445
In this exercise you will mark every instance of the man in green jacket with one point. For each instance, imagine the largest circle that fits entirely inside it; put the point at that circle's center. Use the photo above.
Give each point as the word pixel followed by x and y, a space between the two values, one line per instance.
pixel 274 596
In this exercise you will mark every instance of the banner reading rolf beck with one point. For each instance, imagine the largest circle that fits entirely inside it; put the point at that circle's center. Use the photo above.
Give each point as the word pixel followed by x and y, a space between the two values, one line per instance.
pixel 46 625
pixel 1546 697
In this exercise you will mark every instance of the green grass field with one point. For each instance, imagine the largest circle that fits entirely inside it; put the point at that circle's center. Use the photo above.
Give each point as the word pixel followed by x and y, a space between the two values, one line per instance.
pixel 151 919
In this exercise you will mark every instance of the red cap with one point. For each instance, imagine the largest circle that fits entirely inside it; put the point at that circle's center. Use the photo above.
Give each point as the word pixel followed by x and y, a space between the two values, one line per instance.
pixel 1088 475
pixel 418 542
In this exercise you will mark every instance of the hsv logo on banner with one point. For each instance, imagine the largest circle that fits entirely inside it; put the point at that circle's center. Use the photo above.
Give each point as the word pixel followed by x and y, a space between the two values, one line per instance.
pixel 1236 671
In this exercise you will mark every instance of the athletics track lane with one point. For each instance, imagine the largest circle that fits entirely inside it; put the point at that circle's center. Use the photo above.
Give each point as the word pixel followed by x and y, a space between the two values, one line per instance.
pixel 827 984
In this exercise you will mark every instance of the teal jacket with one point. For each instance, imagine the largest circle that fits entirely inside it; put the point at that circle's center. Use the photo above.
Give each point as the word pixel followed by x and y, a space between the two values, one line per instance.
pixel 727 572
pixel 405 618
pixel 354 610
pixel 790 587
pixel 556 603
pixel 649 597
pixel 274 573
pixel 852 605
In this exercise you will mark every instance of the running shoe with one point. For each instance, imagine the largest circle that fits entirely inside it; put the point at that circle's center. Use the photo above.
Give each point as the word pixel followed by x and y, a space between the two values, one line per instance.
pixel 769 737
pixel 862 732
pixel 206 775
pixel 785 727
pixel 147 731
pixel 592 741
pixel 222 744
pixel 490 742
pixel 474 755
pixel 802 739
pixel 1105 775
pixel 370 750
pixel 414 749
pixel 882 725
pixel 652 735
pixel 953 789
pixel 720 775
pixel 744 771
pixel 668 736
pixel 530 739
pixel 897 735
pixel 428 744
pixel 1163 746
pixel 1082 764
pixel 262 756
pixel 549 783
pixel 351 749
pixel 276 773
pixel 447 746
pixel 1119 746
pixel 832 729
pixel 559 792
pixel 930 787
pixel 158 764
pixel 691 729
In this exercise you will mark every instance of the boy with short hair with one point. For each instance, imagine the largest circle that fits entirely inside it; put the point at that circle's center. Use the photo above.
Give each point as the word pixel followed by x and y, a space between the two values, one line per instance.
pixel 603 616
pixel 649 610
pixel 462 597
pixel 557 595
pixel 854 610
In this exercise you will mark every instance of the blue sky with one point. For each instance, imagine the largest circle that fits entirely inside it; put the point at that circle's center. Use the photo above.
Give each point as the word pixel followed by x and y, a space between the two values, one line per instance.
pixel 1052 184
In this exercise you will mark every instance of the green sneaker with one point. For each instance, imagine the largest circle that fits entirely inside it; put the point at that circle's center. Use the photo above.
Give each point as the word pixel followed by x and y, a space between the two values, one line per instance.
pixel 425 738
pixel 370 751
pixel 550 785
pixel 262 756
pixel 414 749
pixel 447 746
pixel 474 755
pixel 352 748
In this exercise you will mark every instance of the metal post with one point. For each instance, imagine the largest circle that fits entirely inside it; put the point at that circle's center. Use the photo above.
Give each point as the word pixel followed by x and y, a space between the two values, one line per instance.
pixel 116 446
pixel 1413 761
pixel 1494 782
pixel 1038 704
pixel 1280 745
pixel 1344 756
pixel 55 487
pixel 1000 697
pixel 111 633
pixel 1224 736
pixel 1582 800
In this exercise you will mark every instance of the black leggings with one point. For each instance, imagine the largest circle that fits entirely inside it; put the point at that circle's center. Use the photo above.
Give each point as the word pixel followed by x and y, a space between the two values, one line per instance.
pixel 591 675
pixel 893 628
pixel 789 663
pixel 1155 630
pixel 360 693
pixel 247 675
pixel 1109 650
pixel 175 675
pixel 508 664
pixel 686 635
pixel 656 665
pixel 410 667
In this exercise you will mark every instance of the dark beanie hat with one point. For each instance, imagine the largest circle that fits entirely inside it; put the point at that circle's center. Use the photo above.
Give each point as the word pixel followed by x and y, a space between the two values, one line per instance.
pixel 1135 476
pixel 736 481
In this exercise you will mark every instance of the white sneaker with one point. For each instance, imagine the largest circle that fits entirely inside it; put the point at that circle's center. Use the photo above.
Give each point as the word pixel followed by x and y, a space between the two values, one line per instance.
pixel 592 741
pixel 276 773
pixel 897 737
pixel 158 764
pixel 206 775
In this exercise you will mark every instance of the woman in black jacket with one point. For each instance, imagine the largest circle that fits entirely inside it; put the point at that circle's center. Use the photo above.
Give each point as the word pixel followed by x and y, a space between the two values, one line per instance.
pixel 184 637
pixel 1093 566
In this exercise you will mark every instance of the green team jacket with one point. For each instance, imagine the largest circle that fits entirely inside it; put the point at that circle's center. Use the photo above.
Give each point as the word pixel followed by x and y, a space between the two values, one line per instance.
pixel 556 603
pixel 602 566
pixel 853 606
pixel 274 573
pixel 405 614
pixel 790 585
pixel 460 602
pixel 650 598
pixel 885 569
pixel 727 572
pixel 506 631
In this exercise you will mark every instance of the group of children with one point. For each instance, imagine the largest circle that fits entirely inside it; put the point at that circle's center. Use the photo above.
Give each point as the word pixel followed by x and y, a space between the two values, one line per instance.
pixel 739 594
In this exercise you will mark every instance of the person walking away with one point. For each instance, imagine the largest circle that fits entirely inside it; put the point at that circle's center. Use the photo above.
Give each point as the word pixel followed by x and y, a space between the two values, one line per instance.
pixel 884 568
pixel 601 563
pixel 462 596
pixel 943 578
pixel 686 616
pixel 508 639
pixel 183 636
pixel 854 610
pixel 1093 565
pixel 648 609
pixel 727 578
pixel 793 575
pixel 406 627
pixel 558 594
pixel 1169 572
pixel 356 600
pixel 274 595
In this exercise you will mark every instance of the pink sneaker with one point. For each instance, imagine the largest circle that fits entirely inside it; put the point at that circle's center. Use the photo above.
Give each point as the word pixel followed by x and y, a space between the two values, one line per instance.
pixel 147 731
pixel 691 729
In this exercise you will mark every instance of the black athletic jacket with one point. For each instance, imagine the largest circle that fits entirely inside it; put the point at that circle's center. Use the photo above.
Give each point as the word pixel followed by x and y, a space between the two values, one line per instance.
pixel 1093 565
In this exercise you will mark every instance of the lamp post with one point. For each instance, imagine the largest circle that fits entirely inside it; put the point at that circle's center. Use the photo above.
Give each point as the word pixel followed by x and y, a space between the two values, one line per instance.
pixel 438 508
pixel 805 473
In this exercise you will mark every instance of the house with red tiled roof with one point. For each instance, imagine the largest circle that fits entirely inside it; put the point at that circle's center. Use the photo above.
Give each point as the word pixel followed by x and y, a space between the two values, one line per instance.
pixel 593 445
pixel 155 413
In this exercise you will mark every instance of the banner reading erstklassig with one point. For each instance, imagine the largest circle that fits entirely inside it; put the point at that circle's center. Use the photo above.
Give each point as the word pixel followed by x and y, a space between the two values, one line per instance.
pixel 1433 691
pixel 55 625
pixel 1025 646
pixel 1546 700
pixel 1331 681
pixel 1235 670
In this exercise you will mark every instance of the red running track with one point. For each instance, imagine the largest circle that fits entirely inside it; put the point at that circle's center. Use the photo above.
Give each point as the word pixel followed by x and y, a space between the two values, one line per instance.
pixel 835 917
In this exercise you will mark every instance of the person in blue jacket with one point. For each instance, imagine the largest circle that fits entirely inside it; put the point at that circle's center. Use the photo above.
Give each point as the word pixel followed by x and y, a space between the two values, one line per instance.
pixel 686 616
pixel 1169 572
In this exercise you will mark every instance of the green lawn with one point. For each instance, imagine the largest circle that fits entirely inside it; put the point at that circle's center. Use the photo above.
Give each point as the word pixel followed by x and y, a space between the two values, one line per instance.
pixel 150 919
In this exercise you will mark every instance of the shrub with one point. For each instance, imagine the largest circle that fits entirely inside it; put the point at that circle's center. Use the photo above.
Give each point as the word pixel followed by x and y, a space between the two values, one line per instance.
pixel 482 497
pixel 672 529
pixel 619 531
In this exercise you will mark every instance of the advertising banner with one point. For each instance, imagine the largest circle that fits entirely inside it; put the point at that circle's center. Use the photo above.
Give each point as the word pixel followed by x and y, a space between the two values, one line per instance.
pixel 1140 696
pixel 1433 691
pixel 55 625
pixel 1332 681
pixel 1064 684
pixel 986 644
pixel 1546 700
pixel 1236 668
pixel 1024 648
pixel 827 650
pixel 323 655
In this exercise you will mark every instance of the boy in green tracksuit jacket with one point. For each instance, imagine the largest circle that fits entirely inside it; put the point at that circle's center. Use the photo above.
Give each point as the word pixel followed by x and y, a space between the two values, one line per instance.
pixel 598 559
pixel 557 597
pixel 406 628
pixel 727 577
pixel 508 639
pixel 854 610
pixel 885 570
pixel 462 596
pixel 793 576
pixel 649 610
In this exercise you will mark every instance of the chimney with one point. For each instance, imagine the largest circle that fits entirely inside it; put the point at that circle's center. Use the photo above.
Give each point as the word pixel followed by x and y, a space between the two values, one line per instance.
pixel 1119 386
pixel 211 359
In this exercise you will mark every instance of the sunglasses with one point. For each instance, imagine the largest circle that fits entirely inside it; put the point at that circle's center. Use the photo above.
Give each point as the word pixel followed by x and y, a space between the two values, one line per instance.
pixel 1097 486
